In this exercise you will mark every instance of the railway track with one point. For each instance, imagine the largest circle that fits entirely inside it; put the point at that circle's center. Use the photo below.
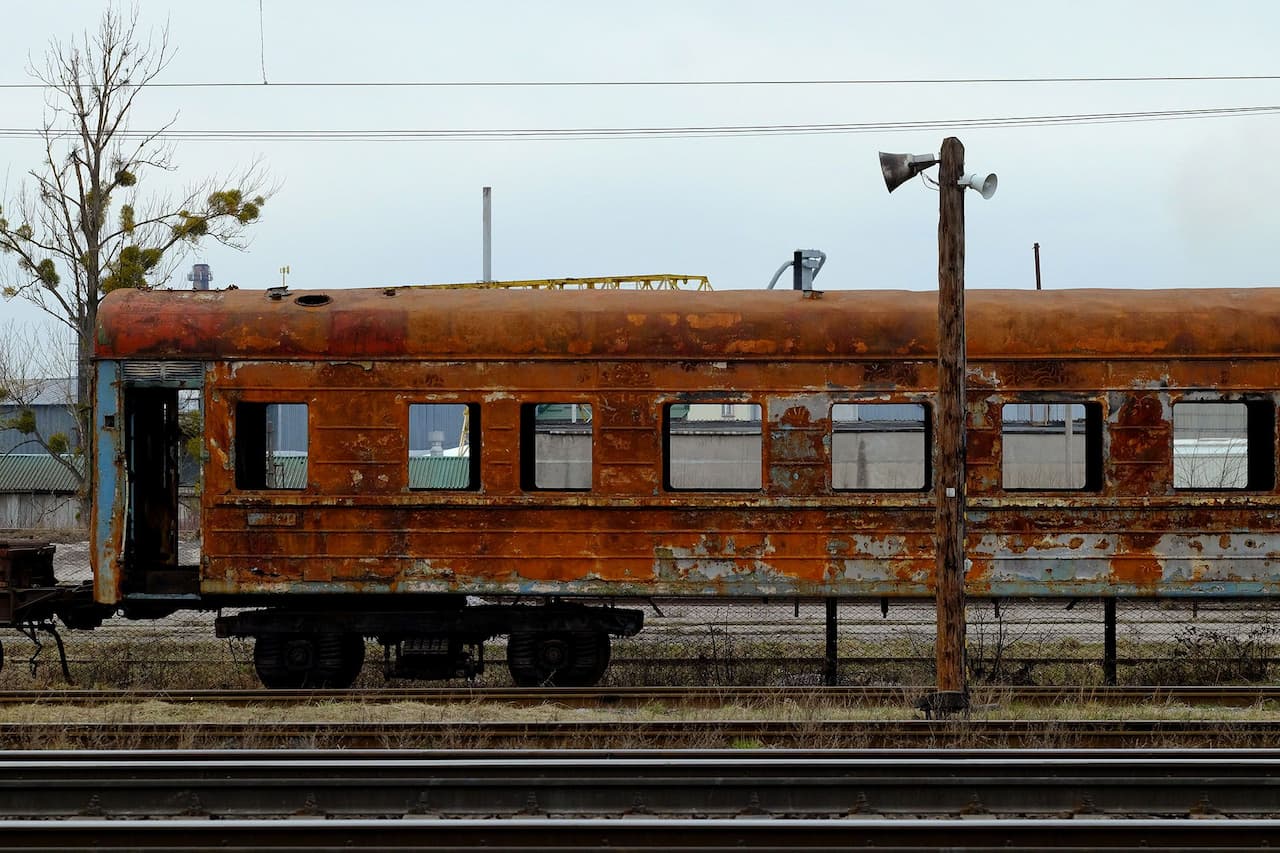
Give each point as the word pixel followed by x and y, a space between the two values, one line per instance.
pixel 599 697
pixel 693 836
pixel 693 784
pixel 678 801
pixel 648 734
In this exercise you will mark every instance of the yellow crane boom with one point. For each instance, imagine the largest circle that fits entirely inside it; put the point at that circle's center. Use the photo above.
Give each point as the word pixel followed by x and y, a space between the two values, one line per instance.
pixel 627 282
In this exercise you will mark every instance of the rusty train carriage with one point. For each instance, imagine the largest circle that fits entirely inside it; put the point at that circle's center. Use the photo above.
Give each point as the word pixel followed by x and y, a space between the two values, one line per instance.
pixel 357 551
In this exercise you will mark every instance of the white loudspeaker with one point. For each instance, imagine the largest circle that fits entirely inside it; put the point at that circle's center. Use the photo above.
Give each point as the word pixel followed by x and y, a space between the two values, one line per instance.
pixel 984 185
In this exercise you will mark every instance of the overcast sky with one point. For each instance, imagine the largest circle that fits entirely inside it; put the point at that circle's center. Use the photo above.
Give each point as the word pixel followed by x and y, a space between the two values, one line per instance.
pixel 1139 204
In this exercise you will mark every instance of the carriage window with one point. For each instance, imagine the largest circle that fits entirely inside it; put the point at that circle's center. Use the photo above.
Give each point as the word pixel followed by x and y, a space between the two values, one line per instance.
pixel 1224 445
pixel 444 446
pixel 713 446
pixel 879 446
pixel 1052 446
pixel 271 445
pixel 555 440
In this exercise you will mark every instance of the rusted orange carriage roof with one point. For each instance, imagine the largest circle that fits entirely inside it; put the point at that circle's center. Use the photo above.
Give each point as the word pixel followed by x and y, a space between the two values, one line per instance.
pixel 417 323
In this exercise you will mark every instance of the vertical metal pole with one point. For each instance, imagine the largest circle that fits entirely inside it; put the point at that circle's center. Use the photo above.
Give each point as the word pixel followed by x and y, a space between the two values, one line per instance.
pixel 487 225
pixel 831 673
pixel 1036 247
pixel 1067 430
pixel 1109 640
pixel 949 490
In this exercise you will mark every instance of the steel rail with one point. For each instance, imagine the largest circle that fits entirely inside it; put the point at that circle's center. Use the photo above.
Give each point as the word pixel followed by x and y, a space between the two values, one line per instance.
pixel 143 756
pixel 1226 696
pixel 632 733
pixel 542 834
pixel 690 786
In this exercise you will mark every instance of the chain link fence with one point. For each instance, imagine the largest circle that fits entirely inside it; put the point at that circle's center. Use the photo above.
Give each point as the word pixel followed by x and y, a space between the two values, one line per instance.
pixel 1012 642
pixel 881 642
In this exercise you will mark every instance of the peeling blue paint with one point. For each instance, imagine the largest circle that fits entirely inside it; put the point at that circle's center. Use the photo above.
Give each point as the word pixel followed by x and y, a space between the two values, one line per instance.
pixel 108 492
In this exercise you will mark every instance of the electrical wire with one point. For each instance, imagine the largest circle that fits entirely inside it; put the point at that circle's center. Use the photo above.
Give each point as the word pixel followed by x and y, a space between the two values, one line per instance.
pixel 664 132
pixel 872 81
pixel 262 44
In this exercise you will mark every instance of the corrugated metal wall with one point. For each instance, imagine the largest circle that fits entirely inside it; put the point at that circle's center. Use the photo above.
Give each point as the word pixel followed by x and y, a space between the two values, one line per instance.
pixel 28 511
pixel 49 420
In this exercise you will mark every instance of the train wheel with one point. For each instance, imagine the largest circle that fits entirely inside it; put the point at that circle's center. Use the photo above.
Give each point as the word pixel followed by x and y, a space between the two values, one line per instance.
pixel 294 661
pixel 591 659
pixel 269 659
pixel 557 659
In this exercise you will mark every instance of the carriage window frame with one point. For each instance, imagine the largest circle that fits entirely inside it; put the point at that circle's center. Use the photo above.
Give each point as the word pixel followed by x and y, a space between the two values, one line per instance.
pixel 474 450
pixel 927 440
pixel 529 444
pixel 1094 459
pixel 1260 445
pixel 667 457
pixel 250 442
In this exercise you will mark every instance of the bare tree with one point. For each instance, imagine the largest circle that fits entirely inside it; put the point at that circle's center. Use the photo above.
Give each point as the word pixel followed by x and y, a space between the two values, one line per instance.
pixel 80 228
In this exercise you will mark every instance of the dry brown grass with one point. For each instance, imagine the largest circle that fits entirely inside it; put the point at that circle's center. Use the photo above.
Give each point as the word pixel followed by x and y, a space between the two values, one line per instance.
pixel 777 707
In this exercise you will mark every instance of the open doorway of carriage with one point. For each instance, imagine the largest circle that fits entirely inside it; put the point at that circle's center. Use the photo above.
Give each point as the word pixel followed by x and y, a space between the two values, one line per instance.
pixel 159 464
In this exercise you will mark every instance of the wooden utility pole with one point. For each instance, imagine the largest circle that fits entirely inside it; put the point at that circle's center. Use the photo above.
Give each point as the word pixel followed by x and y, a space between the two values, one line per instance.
pixel 949 481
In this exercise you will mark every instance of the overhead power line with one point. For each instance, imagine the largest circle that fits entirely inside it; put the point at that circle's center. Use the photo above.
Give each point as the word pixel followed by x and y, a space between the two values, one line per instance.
pixel 513 84
pixel 664 132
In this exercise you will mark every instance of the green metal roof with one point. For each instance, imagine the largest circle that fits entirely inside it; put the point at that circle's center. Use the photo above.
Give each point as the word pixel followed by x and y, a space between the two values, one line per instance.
pixel 439 472
pixel 37 472
pixel 288 471
pixel 425 472
pixel 40 472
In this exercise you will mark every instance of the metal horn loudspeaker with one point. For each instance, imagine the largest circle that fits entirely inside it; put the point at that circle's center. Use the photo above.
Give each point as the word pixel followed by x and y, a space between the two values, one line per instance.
pixel 984 184
pixel 900 168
